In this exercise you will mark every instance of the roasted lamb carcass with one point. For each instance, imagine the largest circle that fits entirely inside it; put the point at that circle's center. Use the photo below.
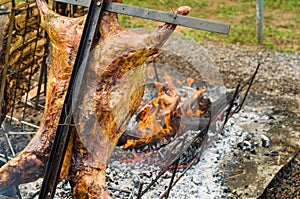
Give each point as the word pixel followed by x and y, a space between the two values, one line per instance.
pixel 116 67
pixel 30 163
pixel 24 58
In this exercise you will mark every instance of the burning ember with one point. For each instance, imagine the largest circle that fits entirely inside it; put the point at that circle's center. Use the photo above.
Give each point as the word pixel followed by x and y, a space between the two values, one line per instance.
pixel 171 106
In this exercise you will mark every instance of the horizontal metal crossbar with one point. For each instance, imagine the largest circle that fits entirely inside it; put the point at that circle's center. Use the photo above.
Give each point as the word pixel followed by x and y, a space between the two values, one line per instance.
pixel 156 15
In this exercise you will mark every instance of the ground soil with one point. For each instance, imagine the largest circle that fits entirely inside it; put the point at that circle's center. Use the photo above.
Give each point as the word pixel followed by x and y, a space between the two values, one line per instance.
pixel 278 79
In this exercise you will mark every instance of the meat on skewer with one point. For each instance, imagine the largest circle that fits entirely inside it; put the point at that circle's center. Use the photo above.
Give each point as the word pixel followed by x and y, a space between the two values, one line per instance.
pixel 25 54
pixel 116 67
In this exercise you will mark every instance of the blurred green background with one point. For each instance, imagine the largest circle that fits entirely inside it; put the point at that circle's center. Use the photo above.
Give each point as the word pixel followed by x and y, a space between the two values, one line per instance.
pixel 281 20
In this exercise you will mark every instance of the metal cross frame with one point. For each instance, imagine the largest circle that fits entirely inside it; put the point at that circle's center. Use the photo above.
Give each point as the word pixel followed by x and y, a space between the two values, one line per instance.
pixel 96 8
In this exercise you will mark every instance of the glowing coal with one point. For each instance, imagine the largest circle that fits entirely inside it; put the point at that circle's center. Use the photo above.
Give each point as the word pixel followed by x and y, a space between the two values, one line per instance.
pixel 172 105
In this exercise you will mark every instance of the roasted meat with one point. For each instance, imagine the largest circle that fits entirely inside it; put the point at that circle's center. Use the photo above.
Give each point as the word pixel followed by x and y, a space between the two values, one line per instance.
pixel 26 50
pixel 30 163
pixel 108 98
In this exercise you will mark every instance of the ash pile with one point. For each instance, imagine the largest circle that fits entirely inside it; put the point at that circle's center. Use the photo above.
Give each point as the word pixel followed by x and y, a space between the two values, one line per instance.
pixel 159 165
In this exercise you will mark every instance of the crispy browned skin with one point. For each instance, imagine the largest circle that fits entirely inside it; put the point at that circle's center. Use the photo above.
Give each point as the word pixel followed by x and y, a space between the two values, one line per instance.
pixel 65 36
pixel 117 72
pixel 17 52
pixel 114 97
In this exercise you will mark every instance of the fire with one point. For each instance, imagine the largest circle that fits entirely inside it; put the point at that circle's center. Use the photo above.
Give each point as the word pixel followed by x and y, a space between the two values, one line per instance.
pixel 190 81
pixel 160 118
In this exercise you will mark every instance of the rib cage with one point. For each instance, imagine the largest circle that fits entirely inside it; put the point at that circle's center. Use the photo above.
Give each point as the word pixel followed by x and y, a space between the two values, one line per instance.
pixel 23 73
pixel 22 54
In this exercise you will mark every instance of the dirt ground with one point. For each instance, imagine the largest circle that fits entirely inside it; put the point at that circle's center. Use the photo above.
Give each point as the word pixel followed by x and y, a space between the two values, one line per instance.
pixel 276 87
pixel 278 79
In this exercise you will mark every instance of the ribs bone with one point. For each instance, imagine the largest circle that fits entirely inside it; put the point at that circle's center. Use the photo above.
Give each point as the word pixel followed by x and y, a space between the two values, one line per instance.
pixel 116 66
pixel 25 55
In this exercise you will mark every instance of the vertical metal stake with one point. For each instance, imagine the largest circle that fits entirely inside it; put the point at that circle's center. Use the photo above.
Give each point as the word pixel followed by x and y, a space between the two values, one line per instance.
pixel 139 195
pixel 250 82
pixel 260 20
pixel 63 132
pixel 236 93
pixel 172 179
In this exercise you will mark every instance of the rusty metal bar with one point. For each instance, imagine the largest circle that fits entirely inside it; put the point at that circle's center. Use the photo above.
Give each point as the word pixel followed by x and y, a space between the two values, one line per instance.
pixel 155 15
pixel 231 104
pixel 43 76
pixel 249 83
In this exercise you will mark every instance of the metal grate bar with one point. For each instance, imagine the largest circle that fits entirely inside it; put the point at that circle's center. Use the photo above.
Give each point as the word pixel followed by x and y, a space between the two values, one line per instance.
pixel 60 143
pixel 156 15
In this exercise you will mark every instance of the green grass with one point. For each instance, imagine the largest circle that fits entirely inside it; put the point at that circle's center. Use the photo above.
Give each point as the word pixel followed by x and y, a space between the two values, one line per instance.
pixel 281 20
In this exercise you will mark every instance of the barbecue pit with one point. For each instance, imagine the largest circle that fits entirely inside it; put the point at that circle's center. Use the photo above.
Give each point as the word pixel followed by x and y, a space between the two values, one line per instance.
pixel 231 103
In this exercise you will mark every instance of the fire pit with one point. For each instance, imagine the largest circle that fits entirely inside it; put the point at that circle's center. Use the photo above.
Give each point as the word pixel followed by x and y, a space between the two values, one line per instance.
pixel 197 103
pixel 178 111
pixel 158 152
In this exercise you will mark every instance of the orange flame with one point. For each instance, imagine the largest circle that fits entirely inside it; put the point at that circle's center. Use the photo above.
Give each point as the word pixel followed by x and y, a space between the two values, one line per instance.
pixel 190 81
pixel 161 116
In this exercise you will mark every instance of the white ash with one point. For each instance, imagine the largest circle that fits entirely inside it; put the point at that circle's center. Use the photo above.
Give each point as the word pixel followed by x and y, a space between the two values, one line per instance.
pixel 236 62
pixel 31 190
pixel 203 180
